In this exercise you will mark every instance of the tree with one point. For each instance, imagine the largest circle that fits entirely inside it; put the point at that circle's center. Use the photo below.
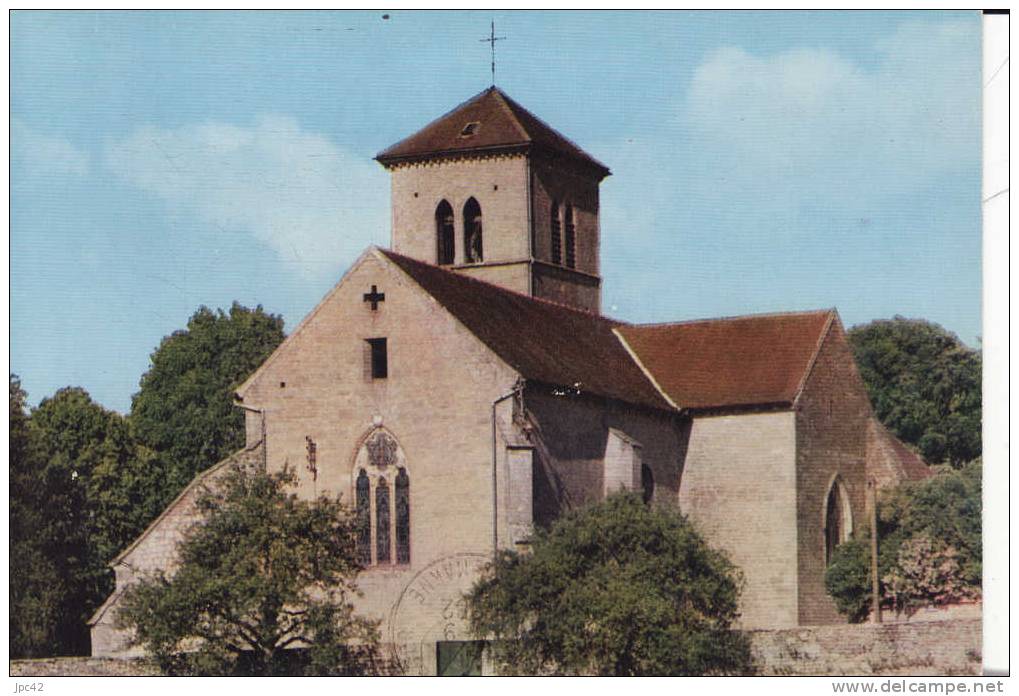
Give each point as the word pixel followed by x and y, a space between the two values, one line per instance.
pixel 615 588
pixel 82 507
pixel 184 409
pixel 36 588
pixel 924 384
pixel 262 574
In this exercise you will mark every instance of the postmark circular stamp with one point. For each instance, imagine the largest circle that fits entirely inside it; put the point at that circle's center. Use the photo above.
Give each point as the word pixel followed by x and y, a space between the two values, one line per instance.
pixel 431 606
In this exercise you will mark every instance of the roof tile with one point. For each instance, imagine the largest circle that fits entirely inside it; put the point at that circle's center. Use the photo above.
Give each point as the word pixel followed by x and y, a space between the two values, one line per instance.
pixel 501 123
pixel 542 340
pixel 736 362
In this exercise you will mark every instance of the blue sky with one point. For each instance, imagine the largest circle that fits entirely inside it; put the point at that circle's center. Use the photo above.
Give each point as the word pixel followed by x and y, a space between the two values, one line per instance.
pixel 761 162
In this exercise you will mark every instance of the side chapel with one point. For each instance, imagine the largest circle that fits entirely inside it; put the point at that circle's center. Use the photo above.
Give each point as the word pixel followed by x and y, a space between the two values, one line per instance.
pixel 463 386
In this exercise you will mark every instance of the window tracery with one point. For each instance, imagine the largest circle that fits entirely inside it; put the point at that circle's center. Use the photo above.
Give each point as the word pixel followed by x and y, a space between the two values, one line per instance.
pixel 382 499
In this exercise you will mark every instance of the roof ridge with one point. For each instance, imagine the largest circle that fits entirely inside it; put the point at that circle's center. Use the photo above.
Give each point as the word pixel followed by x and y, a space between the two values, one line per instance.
pixel 500 288
pixel 513 105
pixel 735 317
pixel 504 100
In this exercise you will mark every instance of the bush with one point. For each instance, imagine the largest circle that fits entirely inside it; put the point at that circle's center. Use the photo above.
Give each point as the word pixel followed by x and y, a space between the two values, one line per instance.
pixel 929 547
pixel 848 579
pixel 616 588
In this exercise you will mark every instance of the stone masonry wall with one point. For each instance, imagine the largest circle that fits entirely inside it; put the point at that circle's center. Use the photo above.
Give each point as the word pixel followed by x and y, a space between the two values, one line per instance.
pixel 436 402
pixel 919 648
pixel 831 434
pixel 946 647
pixel 575 430
pixel 156 550
pixel 739 489
pixel 499 184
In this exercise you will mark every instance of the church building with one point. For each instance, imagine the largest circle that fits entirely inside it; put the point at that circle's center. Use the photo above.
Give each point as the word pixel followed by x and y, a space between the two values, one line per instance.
pixel 462 387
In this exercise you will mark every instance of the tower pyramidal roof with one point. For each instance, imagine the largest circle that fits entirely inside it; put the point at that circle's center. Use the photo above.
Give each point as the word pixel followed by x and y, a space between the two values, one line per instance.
pixel 489 122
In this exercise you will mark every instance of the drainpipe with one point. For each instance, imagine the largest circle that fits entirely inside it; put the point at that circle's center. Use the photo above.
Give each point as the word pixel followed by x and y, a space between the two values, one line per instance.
pixel 517 388
pixel 261 413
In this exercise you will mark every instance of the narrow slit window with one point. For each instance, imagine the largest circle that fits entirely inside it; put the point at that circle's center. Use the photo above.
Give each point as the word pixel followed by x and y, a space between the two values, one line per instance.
pixel 571 239
pixel 557 234
pixel 382 554
pixel 378 358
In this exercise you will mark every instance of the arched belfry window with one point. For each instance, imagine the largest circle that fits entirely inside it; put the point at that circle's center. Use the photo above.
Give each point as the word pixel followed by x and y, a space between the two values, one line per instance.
pixel 444 230
pixel 571 238
pixel 473 247
pixel 838 518
pixel 381 485
pixel 556 224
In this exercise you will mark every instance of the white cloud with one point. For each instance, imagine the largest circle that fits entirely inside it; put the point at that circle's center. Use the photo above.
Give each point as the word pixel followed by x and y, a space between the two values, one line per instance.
pixel 808 123
pixel 39 154
pixel 315 203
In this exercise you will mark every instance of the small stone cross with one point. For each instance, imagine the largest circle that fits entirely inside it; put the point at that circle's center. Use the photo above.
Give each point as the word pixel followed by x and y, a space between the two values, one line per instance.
pixel 375 297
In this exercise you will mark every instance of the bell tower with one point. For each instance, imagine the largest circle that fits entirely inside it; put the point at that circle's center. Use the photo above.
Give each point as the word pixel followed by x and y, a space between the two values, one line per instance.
pixel 492 191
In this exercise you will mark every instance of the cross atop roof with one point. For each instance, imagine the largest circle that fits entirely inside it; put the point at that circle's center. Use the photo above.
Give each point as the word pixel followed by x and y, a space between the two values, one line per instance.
pixel 492 38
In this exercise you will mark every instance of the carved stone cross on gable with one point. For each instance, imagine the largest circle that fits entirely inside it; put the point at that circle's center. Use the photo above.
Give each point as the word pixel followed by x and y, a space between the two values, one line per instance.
pixel 375 297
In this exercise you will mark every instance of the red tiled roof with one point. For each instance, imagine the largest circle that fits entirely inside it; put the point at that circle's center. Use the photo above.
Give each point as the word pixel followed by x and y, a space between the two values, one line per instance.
pixel 544 341
pixel 738 362
pixel 501 124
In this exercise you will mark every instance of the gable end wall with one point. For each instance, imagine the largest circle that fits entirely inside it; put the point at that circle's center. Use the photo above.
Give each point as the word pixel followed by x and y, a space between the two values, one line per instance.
pixel 831 439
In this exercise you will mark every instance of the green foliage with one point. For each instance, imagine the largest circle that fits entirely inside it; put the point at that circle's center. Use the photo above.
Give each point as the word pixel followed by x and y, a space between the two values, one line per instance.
pixel 924 384
pixel 263 572
pixel 79 494
pixel 929 546
pixel 848 579
pixel 184 410
pixel 615 588
pixel 36 587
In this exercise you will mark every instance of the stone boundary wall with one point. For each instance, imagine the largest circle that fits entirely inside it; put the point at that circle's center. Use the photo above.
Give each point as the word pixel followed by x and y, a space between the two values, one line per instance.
pixel 949 647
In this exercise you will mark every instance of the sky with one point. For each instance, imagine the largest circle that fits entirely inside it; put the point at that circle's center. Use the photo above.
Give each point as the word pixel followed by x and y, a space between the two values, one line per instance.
pixel 761 162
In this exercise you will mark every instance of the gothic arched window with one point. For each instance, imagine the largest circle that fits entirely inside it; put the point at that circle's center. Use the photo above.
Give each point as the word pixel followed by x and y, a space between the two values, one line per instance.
pixel 364 518
pixel 473 248
pixel 571 238
pixel 402 491
pixel 838 518
pixel 557 234
pixel 382 554
pixel 382 500
pixel 445 247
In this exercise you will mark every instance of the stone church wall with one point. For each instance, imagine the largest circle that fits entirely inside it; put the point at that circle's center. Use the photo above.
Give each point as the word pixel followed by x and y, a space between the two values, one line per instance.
pixel 831 433
pixel 556 180
pixel 436 402
pixel 499 184
pixel 156 550
pixel 575 430
pixel 739 488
